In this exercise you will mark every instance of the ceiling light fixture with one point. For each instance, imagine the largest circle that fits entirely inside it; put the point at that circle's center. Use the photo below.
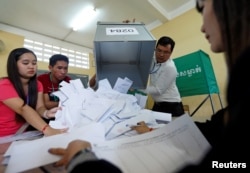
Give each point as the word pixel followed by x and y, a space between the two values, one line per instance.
pixel 83 18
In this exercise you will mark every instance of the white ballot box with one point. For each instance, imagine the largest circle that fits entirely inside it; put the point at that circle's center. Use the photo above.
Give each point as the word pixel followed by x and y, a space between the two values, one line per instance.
pixel 123 50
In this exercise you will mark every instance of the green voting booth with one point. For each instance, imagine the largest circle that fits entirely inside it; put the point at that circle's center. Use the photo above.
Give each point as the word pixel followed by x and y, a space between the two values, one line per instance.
pixel 196 77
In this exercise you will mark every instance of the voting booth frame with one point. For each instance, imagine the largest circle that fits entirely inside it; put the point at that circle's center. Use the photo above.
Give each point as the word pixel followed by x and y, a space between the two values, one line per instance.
pixel 196 77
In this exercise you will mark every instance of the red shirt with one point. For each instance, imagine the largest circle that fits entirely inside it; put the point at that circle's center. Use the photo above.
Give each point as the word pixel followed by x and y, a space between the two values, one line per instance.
pixel 8 123
pixel 49 86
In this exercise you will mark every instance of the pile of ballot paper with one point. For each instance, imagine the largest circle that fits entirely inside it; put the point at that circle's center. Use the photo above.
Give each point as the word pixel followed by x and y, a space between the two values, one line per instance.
pixel 112 107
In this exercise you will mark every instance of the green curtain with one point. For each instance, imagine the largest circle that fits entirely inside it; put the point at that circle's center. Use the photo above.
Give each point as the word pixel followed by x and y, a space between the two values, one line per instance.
pixel 195 74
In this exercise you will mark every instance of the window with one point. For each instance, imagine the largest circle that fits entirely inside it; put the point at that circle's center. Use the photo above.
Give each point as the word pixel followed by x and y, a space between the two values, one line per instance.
pixel 44 51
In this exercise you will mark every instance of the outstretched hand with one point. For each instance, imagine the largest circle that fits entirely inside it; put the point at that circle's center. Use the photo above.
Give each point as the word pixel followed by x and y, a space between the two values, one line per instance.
pixel 52 112
pixel 141 127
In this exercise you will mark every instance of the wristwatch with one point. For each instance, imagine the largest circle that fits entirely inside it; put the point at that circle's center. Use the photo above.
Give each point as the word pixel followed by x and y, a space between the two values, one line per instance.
pixel 81 156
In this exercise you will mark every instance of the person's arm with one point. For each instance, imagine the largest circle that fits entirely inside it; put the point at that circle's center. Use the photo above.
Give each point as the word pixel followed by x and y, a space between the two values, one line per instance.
pixel 42 110
pixel 31 116
pixel 213 129
pixel 78 157
pixel 164 80
pixel 92 82
pixel 48 103
pixel 68 153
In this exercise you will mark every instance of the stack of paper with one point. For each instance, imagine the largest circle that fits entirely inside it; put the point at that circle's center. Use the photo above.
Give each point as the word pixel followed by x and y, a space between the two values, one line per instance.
pixel 110 106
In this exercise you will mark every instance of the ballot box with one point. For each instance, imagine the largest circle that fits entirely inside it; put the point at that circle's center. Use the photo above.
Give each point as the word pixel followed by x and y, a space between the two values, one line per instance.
pixel 123 50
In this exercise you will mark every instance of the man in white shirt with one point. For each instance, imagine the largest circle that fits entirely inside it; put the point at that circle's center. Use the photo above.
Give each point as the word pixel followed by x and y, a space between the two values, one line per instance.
pixel 162 86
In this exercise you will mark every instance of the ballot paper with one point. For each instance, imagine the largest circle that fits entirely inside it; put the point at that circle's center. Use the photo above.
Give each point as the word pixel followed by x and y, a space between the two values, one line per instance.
pixel 105 105
pixel 123 85
pixel 32 154
pixel 125 125
pixel 164 150
pixel 81 105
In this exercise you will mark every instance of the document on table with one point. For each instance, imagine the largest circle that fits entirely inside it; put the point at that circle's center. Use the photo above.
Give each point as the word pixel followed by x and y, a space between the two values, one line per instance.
pixel 166 149
pixel 163 150
pixel 32 154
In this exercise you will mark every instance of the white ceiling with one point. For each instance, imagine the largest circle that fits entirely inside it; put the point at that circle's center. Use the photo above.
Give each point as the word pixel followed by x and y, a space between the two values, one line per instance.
pixel 52 17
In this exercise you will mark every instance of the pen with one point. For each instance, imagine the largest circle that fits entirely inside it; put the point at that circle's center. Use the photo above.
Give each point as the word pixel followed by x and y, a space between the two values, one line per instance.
pixel 132 125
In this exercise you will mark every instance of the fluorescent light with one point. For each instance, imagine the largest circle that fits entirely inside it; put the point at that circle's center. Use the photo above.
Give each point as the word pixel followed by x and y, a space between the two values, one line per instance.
pixel 83 18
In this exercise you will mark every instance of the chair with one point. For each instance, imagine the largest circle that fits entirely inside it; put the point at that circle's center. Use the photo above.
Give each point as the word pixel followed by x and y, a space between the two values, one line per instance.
pixel 186 109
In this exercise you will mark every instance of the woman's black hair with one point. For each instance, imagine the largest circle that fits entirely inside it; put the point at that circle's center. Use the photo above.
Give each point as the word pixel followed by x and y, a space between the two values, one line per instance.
pixel 14 77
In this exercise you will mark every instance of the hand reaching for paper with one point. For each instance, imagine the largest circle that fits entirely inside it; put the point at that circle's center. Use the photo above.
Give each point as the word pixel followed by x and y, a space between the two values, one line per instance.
pixel 141 127
pixel 68 153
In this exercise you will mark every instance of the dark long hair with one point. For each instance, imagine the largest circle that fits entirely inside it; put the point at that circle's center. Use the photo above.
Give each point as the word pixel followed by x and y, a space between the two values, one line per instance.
pixel 233 17
pixel 14 77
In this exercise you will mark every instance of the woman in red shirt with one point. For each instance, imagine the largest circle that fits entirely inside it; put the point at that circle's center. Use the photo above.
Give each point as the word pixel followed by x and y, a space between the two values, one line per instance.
pixel 21 96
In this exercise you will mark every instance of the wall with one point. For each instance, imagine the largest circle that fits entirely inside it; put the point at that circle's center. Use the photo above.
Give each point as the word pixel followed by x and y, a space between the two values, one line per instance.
pixel 10 41
pixel 75 70
pixel 13 40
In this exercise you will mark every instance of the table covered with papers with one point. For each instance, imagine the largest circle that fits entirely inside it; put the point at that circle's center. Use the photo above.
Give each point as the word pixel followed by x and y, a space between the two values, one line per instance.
pixel 104 117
